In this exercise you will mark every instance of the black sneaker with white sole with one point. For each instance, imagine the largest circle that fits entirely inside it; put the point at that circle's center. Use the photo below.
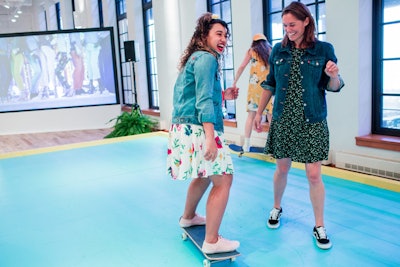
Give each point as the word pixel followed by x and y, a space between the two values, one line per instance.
pixel 321 238
pixel 274 218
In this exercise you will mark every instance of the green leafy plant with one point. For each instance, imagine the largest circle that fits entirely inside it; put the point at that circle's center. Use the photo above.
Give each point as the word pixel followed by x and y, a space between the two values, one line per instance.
pixel 131 123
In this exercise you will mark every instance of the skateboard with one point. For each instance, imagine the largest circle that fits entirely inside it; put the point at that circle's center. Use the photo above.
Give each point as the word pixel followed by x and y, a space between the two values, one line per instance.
pixel 252 149
pixel 196 234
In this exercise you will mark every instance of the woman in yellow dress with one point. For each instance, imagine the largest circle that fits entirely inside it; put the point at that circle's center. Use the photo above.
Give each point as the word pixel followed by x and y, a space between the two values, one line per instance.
pixel 257 55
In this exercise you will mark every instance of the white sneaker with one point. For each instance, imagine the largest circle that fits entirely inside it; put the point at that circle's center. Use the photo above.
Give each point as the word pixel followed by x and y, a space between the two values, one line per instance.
pixel 196 220
pixel 246 148
pixel 222 245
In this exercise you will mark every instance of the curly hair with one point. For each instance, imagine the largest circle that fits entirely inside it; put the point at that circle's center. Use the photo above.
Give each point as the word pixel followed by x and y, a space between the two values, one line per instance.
pixel 198 42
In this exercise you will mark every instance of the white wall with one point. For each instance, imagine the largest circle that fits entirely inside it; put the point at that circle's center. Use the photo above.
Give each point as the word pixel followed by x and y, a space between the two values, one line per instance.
pixel 348 29
pixel 349 112
pixel 60 119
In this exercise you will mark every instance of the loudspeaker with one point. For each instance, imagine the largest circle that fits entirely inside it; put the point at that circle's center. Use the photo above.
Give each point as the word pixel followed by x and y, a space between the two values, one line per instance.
pixel 130 54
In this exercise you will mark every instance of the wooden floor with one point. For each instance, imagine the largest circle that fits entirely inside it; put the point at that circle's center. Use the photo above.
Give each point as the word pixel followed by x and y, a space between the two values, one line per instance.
pixel 22 142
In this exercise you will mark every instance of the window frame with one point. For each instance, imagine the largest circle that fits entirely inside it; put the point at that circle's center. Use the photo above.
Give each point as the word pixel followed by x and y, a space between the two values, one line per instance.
pixel 377 70
pixel 128 86
pixel 267 18
pixel 228 72
pixel 151 59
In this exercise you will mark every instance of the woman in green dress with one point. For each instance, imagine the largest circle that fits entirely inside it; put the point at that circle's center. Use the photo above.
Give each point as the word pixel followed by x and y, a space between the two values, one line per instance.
pixel 302 69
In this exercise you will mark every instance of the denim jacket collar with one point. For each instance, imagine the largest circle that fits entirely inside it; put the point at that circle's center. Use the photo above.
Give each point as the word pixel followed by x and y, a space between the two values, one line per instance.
pixel 310 50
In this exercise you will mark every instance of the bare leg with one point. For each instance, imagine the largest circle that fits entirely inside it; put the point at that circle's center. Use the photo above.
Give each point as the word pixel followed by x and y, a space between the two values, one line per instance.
pixel 280 180
pixel 269 118
pixel 248 129
pixel 317 191
pixel 196 190
pixel 249 124
pixel 216 205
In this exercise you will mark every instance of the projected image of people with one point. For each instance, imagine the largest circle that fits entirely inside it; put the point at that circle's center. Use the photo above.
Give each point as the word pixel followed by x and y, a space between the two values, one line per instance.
pixel 57 70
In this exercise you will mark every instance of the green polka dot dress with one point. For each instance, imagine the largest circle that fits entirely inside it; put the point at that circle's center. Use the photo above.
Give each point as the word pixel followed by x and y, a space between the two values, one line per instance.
pixel 291 136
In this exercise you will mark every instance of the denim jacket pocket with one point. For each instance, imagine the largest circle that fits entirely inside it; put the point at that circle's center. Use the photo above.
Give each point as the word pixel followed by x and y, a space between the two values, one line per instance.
pixel 316 67
pixel 282 66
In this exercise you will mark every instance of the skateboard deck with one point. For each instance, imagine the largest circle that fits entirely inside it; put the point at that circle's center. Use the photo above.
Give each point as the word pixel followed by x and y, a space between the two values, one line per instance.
pixel 196 234
pixel 252 149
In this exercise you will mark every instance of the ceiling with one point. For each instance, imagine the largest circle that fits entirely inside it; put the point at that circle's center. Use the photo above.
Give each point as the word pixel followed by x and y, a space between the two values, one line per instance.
pixel 10 8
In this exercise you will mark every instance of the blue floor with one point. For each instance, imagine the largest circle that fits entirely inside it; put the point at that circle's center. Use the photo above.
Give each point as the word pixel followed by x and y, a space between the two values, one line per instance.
pixel 112 204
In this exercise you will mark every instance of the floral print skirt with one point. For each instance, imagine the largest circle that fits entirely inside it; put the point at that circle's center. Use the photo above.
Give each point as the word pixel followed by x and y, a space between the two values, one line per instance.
pixel 186 147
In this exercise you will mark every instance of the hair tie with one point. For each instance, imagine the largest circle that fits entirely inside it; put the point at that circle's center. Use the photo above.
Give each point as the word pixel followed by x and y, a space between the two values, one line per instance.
pixel 214 16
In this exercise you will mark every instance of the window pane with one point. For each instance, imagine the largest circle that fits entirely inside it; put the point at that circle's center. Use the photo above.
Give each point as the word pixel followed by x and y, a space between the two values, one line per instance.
pixel 322 37
pixel 391 77
pixel 391 10
pixel 229 74
pixel 306 2
pixel 276 26
pixel 313 12
pixel 321 18
pixel 226 11
pixel 391 33
pixel 228 58
pixel 216 10
pixel 275 6
pixel 287 2
pixel 230 109
pixel 391 112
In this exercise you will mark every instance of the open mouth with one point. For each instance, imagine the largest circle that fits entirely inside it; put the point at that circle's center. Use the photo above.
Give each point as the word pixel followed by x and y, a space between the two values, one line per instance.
pixel 221 47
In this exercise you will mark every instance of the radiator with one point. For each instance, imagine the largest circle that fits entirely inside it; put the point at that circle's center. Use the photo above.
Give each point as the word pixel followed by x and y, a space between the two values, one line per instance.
pixel 368 165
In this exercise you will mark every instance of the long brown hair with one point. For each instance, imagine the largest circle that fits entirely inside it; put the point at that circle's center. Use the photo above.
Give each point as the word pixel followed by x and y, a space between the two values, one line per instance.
pixel 262 48
pixel 301 12
pixel 199 39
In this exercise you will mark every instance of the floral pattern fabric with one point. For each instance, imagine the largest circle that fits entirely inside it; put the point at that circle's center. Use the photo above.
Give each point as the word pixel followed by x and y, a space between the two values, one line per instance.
pixel 291 136
pixel 185 157
pixel 258 74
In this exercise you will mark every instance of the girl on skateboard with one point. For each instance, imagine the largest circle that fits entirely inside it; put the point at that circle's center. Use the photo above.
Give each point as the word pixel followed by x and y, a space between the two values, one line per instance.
pixel 196 146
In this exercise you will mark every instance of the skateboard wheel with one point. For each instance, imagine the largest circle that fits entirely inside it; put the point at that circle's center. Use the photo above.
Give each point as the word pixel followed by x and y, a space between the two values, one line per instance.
pixel 233 259
pixel 184 236
pixel 206 263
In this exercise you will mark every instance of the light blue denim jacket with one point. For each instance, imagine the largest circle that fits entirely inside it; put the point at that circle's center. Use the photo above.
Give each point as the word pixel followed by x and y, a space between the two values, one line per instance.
pixel 314 80
pixel 197 92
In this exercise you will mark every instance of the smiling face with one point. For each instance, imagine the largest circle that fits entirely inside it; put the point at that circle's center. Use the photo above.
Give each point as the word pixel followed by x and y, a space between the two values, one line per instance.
pixel 294 28
pixel 217 37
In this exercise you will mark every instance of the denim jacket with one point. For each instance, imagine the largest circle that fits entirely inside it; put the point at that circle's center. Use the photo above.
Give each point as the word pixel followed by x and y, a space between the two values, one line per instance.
pixel 197 92
pixel 314 80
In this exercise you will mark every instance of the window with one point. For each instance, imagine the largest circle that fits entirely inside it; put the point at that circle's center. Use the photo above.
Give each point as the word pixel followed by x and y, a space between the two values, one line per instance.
pixel 386 65
pixel 273 20
pixel 128 92
pixel 222 8
pixel 151 56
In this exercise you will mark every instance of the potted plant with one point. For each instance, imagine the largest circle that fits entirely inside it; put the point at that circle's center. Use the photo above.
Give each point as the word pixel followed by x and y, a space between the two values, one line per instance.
pixel 131 123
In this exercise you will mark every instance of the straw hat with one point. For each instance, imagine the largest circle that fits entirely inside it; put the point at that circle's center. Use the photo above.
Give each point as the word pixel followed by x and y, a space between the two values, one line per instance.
pixel 259 36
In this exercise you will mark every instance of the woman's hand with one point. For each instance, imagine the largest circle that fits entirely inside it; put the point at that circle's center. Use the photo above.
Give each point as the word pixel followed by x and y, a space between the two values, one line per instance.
pixel 231 93
pixel 331 69
pixel 257 123
pixel 211 151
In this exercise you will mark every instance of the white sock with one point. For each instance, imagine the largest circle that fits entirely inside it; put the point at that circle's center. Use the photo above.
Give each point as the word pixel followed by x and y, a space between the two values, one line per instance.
pixel 246 144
